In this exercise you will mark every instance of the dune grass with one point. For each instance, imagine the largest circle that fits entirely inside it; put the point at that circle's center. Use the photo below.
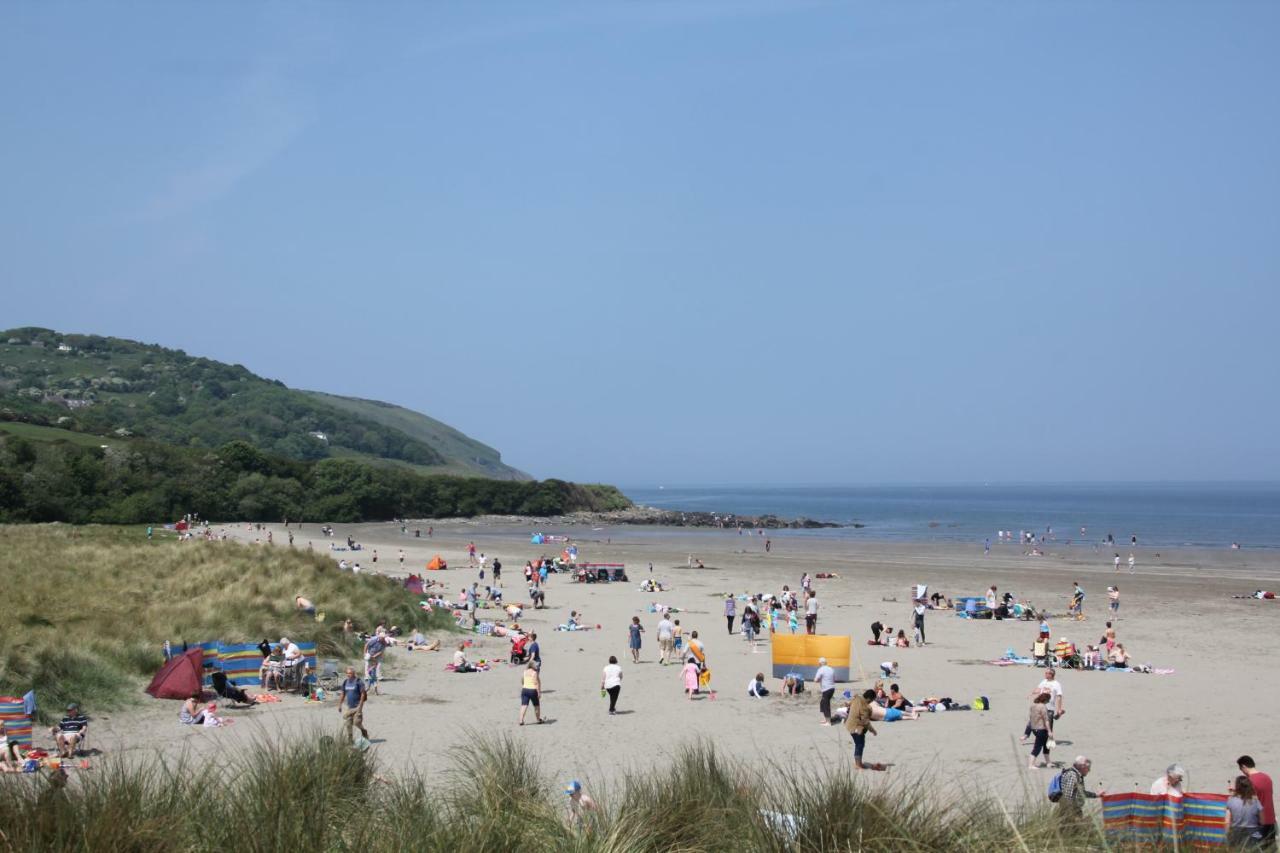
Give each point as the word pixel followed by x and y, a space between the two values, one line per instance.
pixel 85 610
pixel 315 794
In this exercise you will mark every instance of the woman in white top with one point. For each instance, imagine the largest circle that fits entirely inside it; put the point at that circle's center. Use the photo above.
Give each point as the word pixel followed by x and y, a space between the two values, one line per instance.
pixel 611 683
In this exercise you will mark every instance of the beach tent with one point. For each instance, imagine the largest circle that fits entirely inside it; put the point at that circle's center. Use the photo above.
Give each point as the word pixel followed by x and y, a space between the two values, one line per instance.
pixel 537 539
pixel 922 591
pixel 800 653
pixel 437 563
pixel 180 677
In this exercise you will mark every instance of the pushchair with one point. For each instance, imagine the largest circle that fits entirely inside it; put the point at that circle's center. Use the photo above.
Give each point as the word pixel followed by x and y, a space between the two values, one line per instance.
pixel 519 651
pixel 224 688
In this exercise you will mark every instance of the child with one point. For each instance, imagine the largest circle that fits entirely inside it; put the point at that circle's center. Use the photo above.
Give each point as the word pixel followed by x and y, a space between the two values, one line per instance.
pixel 889 668
pixel 756 688
pixel 677 636
pixel 793 622
pixel 211 718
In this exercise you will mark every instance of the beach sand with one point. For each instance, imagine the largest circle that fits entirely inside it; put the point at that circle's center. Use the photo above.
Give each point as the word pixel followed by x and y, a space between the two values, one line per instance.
pixel 1177 612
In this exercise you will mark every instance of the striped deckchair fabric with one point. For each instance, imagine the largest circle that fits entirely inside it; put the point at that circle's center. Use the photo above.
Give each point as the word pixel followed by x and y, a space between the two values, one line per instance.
pixel 309 652
pixel 1198 820
pixel 14 720
pixel 241 663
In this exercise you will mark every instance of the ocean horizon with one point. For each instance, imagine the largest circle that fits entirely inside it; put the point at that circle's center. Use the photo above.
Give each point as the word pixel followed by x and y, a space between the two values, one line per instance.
pixel 1175 514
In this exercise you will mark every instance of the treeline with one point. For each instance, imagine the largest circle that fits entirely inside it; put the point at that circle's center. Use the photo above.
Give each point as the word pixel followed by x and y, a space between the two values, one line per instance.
pixel 139 482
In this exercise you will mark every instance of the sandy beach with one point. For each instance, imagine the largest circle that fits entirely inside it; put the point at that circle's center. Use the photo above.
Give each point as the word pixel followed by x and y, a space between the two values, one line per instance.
pixel 1177 612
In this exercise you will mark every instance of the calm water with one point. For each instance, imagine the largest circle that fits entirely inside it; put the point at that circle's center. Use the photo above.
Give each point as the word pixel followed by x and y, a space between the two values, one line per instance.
pixel 1209 515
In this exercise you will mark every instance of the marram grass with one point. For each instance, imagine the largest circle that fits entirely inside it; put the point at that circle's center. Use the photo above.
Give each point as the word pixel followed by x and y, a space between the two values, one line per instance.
pixel 315 794
pixel 85 610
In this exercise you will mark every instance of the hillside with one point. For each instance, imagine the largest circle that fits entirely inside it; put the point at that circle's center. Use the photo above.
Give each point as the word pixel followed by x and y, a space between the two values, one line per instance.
pixel 464 452
pixel 111 387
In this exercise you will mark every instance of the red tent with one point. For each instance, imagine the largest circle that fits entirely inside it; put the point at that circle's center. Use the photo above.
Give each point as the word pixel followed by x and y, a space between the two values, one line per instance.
pixel 180 677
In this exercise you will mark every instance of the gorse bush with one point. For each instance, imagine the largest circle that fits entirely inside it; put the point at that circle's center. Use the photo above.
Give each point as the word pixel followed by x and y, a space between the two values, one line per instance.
pixel 86 610
pixel 318 795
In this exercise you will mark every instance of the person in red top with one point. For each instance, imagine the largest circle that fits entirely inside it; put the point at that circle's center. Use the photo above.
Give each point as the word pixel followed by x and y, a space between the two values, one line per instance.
pixel 1262 787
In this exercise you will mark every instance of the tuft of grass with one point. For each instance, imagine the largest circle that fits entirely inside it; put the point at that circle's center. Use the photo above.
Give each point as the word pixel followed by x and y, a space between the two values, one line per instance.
pixel 317 794
pixel 86 610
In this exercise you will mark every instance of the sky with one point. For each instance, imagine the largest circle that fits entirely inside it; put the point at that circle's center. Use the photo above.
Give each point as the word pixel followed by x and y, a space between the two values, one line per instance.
pixel 682 242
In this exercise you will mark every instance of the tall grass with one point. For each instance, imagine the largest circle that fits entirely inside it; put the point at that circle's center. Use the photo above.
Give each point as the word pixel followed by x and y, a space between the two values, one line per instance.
pixel 318 795
pixel 85 610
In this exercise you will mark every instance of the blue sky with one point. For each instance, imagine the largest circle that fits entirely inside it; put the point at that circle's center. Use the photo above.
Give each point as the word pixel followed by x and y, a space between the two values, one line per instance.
pixel 660 242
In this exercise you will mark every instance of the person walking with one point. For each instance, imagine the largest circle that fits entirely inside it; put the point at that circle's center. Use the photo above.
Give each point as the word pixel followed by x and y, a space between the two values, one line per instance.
pixel 635 629
pixel 1074 792
pixel 730 610
pixel 666 638
pixel 825 678
pixel 1132 561
pixel 857 724
pixel 611 683
pixel 1051 686
pixel 351 699
pixel 531 692
pixel 1038 723
pixel 919 610
pixel 1263 788
pixel 811 613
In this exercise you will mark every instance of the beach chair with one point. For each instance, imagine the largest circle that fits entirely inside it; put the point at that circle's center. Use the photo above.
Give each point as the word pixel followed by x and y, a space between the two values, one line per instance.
pixel 1040 652
pixel 328 678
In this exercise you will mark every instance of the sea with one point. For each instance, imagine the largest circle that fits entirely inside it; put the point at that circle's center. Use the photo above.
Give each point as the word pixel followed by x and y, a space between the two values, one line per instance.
pixel 1205 515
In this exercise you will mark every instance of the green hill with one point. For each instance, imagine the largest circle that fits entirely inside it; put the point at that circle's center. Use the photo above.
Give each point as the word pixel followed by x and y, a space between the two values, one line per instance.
pixel 465 454
pixel 115 388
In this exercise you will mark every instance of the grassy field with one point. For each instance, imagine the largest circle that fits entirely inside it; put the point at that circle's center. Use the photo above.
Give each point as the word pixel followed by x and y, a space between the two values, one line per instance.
pixel 86 609
pixel 315 794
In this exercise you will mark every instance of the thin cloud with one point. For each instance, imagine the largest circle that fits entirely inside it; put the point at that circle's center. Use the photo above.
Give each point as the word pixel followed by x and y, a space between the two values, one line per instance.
pixel 263 118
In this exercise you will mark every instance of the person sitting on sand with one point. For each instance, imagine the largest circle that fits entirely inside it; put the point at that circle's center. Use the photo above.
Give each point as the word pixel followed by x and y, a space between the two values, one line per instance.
pixel 211 719
pixel 11 757
pixel 192 711
pixel 756 688
pixel 460 662
pixel 901 640
pixel 892 715
pixel 1118 657
pixel 897 700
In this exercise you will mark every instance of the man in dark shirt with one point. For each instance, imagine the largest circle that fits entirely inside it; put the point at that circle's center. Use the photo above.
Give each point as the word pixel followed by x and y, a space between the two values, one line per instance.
pixel 71 731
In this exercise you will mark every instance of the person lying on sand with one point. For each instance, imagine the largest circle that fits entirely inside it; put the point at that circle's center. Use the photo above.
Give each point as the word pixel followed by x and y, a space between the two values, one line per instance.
pixel 892 715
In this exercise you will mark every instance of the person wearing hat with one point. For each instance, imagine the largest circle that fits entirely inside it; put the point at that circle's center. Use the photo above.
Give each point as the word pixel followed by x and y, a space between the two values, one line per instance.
pixel 579 803
pixel 825 678
pixel 71 731
pixel 1170 784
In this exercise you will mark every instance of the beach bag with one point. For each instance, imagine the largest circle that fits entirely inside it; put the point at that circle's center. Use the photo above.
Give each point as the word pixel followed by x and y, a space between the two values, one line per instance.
pixel 1055 788
pixel 982 703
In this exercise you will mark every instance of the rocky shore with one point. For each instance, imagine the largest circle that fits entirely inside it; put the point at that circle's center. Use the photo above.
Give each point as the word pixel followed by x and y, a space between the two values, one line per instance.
pixel 648 515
